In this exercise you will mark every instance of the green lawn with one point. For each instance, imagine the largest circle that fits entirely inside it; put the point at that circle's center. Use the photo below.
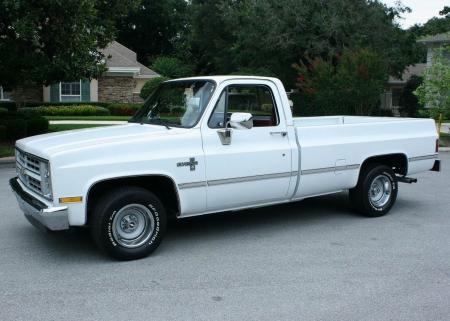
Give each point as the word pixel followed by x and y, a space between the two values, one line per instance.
pixel 6 151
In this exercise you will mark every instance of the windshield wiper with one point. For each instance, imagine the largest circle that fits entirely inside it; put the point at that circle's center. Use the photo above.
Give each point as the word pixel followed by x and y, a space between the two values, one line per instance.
pixel 159 122
pixel 136 121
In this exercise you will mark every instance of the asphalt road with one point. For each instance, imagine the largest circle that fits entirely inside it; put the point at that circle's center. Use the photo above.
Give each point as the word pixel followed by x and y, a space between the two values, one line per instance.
pixel 311 260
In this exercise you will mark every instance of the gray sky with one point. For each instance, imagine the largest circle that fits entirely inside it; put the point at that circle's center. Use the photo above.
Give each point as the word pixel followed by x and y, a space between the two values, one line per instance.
pixel 422 10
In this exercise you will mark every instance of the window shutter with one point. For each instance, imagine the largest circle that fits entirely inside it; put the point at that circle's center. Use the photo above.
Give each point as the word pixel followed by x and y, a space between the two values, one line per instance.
pixel 54 92
pixel 85 90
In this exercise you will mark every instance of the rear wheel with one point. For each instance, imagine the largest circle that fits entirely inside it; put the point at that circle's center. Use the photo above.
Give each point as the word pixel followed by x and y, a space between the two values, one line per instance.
pixel 128 223
pixel 376 191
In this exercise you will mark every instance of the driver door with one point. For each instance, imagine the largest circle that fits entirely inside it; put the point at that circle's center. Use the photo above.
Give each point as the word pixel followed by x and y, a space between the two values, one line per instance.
pixel 255 167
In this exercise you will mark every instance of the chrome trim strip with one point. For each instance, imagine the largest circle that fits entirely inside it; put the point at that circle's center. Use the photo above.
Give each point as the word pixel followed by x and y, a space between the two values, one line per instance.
pixel 318 170
pixel 248 179
pixel 329 169
pixel 419 158
pixel 191 185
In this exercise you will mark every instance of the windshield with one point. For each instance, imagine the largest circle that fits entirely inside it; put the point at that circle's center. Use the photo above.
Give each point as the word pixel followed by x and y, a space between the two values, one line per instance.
pixel 177 104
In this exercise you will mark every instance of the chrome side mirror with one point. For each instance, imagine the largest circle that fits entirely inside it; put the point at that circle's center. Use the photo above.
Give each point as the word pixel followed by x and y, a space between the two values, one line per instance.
pixel 237 121
pixel 241 121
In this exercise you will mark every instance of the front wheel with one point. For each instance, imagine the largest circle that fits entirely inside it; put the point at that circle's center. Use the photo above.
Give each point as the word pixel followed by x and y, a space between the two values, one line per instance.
pixel 376 191
pixel 128 223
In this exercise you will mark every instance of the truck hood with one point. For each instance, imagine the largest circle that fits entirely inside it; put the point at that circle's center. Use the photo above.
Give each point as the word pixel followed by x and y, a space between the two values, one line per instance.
pixel 48 144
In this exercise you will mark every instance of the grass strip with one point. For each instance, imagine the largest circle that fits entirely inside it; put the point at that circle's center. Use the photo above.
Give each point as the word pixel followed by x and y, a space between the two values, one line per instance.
pixel 6 151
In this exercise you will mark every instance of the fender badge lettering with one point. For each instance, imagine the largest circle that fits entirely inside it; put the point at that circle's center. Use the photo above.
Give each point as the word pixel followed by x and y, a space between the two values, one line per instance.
pixel 192 162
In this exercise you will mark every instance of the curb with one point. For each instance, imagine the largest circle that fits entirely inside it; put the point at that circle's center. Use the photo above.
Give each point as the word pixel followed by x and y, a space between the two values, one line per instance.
pixel 6 162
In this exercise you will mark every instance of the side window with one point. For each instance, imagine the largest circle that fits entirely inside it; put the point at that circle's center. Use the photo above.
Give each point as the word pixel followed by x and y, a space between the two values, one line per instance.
pixel 254 99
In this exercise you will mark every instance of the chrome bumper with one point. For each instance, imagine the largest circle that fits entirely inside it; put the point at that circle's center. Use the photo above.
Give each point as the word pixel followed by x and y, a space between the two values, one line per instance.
pixel 37 213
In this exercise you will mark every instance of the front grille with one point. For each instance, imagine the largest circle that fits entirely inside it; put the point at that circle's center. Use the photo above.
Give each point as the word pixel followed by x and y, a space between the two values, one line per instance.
pixel 34 173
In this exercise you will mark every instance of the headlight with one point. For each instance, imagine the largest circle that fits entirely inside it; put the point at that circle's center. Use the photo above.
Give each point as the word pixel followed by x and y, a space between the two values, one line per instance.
pixel 46 182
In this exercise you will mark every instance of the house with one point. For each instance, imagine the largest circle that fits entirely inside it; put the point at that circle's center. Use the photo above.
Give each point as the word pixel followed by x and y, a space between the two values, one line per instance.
pixel 435 42
pixel 121 83
pixel 390 98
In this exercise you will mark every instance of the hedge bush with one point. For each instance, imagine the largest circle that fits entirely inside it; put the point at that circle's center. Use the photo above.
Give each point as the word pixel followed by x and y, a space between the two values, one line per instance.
pixel 16 126
pixel 3 111
pixel 36 124
pixel 123 109
pixel 102 111
pixel 9 105
pixel 19 125
pixel 303 108
pixel 76 110
pixel 2 132
pixel 28 111
pixel 150 86
pixel 434 113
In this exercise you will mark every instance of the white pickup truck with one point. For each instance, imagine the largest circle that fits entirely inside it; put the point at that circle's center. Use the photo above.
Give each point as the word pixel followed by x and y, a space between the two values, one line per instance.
pixel 211 144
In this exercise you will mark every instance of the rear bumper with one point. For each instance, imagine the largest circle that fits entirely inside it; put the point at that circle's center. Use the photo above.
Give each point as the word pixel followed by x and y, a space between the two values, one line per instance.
pixel 39 214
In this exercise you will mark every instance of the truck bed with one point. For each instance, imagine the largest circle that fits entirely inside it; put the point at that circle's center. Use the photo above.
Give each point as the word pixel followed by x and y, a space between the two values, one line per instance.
pixel 333 149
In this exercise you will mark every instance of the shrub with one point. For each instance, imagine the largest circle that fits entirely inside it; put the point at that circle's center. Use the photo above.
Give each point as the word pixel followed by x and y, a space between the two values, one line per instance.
pixel 27 111
pixel 350 83
pixel 266 107
pixel 150 86
pixel 382 112
pixel 16 127
pixel 304 107
pixel 434 113
pixel 9 105
pixel 408 101
pixel 3 111
pixel 36 124
pixel 101 111
pixel 66 103
pixel 2 132
pixel 76 110
pixel 123 109
pixel 178 110
pixel 170 67
pixel 424 113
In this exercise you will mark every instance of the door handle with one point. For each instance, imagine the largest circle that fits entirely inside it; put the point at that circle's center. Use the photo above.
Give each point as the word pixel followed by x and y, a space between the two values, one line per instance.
pixel 279 133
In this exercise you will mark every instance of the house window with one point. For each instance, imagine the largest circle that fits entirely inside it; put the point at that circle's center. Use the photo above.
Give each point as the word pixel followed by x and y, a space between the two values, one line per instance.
pixel 396 93
pixel 4 95
pixel 70 91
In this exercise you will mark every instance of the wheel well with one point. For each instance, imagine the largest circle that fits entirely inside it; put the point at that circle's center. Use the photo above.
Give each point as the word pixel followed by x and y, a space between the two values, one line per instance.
pixel 398 162
pixel 162 186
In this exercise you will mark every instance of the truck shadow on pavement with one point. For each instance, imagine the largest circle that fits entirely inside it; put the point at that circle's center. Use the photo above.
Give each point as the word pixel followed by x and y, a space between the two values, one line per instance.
pixel 220 227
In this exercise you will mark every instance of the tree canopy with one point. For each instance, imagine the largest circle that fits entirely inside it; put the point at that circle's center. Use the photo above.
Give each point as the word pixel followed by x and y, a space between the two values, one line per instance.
pixel 273 34
pixel 43 42
pixel 153 28
pixel 433 92
pixel 350 83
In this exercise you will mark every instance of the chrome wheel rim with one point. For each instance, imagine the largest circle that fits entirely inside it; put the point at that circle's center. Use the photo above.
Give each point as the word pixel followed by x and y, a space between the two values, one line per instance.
pixel 133 225
pixel 380 191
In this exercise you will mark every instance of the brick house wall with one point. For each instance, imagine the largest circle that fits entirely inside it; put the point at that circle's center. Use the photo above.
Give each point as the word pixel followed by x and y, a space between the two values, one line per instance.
pixel 137 99
pixel 27 94
pixel 115 89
